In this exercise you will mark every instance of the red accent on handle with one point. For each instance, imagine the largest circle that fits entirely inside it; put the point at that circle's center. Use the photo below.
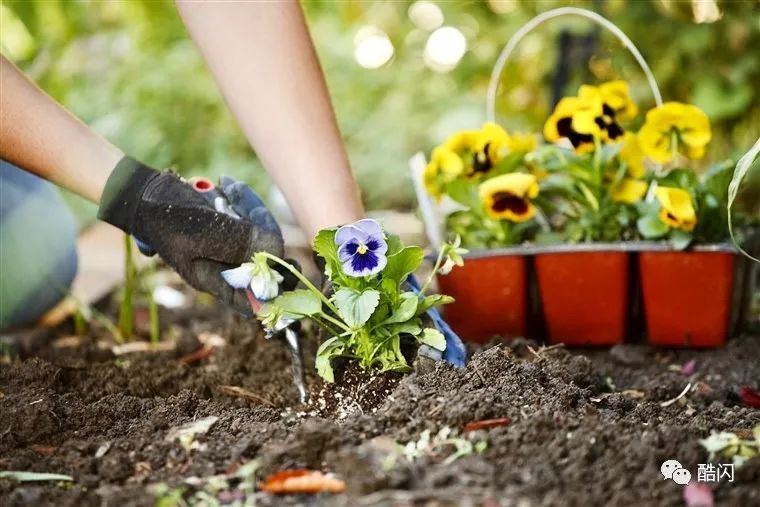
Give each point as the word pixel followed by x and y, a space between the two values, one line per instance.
pixel 202 185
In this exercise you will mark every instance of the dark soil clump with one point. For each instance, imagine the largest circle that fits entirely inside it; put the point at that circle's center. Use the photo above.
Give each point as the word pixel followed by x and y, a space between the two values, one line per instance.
pixel 585 427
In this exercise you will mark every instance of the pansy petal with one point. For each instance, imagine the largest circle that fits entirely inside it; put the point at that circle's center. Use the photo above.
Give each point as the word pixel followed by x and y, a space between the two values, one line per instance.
pixel 239 277
pixel 377 245
pixel 347 250
pixel 364 263
pixel 369 227
pixel 263 288
pixel 348 232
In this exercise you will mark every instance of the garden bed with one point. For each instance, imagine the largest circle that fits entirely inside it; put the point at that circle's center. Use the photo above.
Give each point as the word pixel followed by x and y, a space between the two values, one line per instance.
pixel 585 427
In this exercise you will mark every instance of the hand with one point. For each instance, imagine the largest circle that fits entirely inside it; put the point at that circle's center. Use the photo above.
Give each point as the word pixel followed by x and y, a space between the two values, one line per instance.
pixel 455 352
pixel 187 230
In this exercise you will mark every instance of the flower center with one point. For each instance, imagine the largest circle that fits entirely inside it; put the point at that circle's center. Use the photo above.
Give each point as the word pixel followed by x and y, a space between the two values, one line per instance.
pixel 362 249
pixel 503 201
pixel 481 162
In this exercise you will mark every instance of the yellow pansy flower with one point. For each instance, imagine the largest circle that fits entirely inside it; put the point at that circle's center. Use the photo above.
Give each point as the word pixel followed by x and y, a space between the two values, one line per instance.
pixel 676 208
pixel 601 117
pixel 617 95
pixel 460 142
pixel 492 146
pixel 573 119
pixel 508 196
pixel 444 166
pixel 632 155
pixel 684 124
pixel 629 190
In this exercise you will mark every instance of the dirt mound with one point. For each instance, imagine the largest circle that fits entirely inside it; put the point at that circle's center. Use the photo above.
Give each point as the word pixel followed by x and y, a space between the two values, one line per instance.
pixel 585 427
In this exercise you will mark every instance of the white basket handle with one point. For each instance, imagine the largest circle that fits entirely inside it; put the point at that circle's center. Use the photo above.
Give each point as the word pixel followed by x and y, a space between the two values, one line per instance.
pixel 546 16
pixel 741 170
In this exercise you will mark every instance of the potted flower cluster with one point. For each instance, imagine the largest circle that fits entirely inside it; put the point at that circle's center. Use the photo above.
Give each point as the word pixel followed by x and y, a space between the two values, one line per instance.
pixel 373 315
pixel 611 189
pixel 480 176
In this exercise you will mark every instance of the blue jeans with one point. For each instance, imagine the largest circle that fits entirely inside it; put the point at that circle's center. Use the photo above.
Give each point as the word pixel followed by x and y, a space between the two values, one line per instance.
pixel 38 257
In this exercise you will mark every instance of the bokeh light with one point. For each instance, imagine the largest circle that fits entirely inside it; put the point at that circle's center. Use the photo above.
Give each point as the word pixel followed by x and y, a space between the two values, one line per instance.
pixel 705 11
pixel 444 48
pixel 425 15
pixel 372 47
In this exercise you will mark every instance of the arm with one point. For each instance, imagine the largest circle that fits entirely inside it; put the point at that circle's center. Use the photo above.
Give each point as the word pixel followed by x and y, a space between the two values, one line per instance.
pixel 39 135
pixel 262 58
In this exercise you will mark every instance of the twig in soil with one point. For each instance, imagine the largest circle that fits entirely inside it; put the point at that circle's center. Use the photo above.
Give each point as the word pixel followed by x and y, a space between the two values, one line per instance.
pixel 486 424
pixel 480 375
pixel 539 353
pixel 131 347
pixel 199 355
pixel 239 392
pixel 671 401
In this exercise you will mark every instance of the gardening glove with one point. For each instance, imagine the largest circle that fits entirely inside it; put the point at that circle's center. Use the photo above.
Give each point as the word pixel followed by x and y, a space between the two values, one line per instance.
pixel 455 353
pixel 192 235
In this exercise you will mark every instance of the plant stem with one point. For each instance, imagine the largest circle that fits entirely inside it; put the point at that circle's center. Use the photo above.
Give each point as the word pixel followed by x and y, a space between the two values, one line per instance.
pixel 80 324
pixel 436 267
pixel 126 314
pixel 303 280
pixel 335 321
pixel 324 325
pixel 148 284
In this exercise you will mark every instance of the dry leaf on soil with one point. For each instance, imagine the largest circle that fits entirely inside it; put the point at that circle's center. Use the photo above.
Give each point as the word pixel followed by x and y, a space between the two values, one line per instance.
pixel 302 481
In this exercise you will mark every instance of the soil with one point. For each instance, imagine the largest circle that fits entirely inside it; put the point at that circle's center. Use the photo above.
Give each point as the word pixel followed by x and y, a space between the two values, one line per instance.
pixel 585 427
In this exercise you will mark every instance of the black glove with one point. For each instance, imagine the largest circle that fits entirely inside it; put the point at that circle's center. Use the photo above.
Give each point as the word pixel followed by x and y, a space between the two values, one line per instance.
pixel 185 229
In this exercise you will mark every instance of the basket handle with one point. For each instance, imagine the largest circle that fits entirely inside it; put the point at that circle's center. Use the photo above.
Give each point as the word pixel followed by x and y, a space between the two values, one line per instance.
pixel 740 171
pixel 546 16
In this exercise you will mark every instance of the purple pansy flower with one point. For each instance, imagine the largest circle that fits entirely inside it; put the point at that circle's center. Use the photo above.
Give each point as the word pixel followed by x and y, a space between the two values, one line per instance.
pixel 361 248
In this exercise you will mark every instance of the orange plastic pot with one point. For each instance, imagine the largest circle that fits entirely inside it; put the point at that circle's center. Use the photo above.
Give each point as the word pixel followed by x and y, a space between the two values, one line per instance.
pixel 584 296
pixel 490 297
pixel 687 297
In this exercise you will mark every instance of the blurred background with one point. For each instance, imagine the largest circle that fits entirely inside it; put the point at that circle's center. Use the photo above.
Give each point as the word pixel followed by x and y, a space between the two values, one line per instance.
pixel 402 75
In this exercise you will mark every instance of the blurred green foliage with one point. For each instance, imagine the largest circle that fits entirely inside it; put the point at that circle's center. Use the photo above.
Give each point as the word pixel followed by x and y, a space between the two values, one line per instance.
pixel 129 69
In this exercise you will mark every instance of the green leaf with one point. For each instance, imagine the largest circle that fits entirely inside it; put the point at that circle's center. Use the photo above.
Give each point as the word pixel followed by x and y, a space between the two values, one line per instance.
pixel 434 338
pixel 464 192
pixel 651 227
pixel 680 177
pixel 354 307
pixel 680 239
pixel 324 246
pixel 298 303
pixel 329 349
pixel 33 476
pixel 549 238
pixel 406 309
pixel 402 264
pixel 324 368
pixel 433 300
pixel 411 327
pixel 394 244
pixel 589 196
pixel 508 164
pixel 716 180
